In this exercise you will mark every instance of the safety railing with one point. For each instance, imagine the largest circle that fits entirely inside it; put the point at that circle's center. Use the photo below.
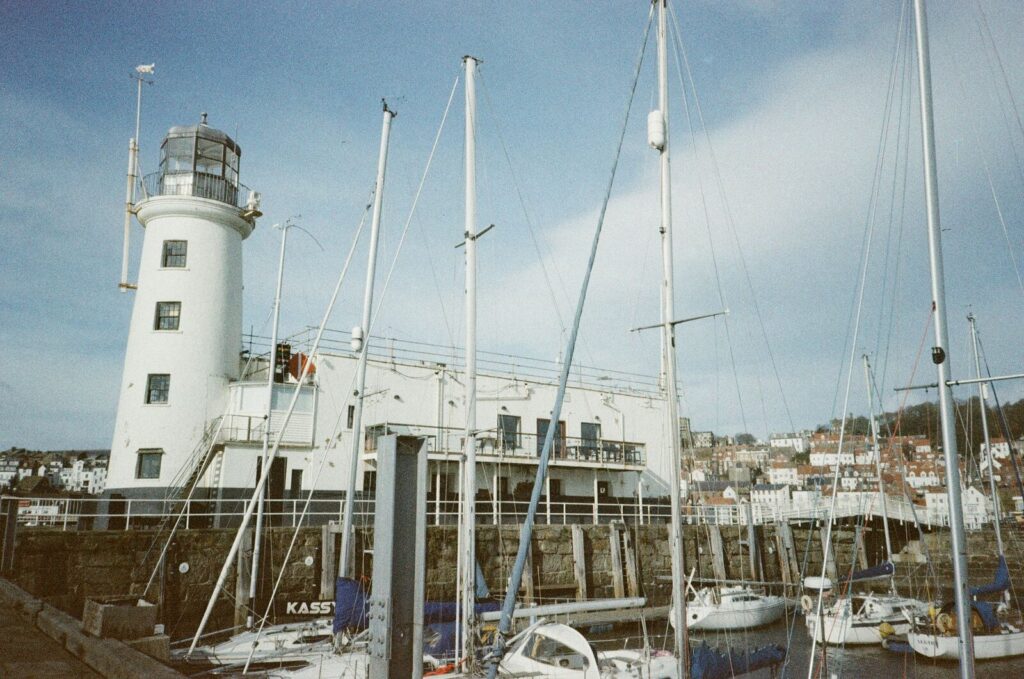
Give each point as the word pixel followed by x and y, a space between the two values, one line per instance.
pixel 137 513
pixel 496 443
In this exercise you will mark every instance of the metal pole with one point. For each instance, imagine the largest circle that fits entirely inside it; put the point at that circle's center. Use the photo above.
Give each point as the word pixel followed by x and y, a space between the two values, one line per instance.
pixel 878 468
pixel 345 561
pixel 940 355
pixel 271 368
pixel 669 358
pixel 983 398
pixel 469 468
pixel 133 165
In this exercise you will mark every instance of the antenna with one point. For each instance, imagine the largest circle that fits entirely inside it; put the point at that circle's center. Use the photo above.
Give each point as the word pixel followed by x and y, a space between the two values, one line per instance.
pixel 138 76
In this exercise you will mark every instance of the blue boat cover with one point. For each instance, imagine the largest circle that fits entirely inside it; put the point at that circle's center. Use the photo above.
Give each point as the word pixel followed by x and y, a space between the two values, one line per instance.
pixel 987 611
pixel 1000 583
pixel 884 569
pixel 350 607
pixel 710 663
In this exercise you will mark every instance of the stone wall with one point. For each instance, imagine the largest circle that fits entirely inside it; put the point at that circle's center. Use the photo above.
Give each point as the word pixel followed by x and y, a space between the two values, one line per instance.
pixel 66 567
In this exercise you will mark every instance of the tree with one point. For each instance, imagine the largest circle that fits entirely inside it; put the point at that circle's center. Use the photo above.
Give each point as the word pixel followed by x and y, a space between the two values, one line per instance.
pixel 745 439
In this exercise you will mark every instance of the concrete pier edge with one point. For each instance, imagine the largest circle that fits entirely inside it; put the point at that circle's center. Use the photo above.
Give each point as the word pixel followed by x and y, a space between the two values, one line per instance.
pixel 108 657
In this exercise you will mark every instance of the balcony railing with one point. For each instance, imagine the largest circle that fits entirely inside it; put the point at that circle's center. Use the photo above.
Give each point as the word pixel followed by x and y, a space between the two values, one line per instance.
pixel 89 513
pixel 198 184
pixel 495 443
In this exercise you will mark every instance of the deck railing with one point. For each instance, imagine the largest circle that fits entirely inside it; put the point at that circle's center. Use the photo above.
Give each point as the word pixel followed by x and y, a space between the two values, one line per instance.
pixel 129 514
pixel 495 443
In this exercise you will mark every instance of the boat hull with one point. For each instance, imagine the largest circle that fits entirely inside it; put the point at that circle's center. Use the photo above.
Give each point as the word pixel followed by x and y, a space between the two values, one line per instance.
pixel 848 630
pixel 1006 644
pixel 737 616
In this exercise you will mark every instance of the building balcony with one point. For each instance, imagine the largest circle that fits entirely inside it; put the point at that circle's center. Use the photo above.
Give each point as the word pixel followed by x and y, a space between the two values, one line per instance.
pixel 497 446
pixel 246 420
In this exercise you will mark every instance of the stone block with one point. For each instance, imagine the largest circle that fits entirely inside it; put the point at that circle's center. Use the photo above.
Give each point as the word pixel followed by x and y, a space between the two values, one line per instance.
pixel 119 617
pixel 157 646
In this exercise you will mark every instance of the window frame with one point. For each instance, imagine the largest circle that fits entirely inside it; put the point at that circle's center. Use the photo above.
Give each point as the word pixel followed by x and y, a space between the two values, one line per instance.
pixel 176 316
pixel 510 439
pixel 143 454
pixel 168 259
pixel 150 389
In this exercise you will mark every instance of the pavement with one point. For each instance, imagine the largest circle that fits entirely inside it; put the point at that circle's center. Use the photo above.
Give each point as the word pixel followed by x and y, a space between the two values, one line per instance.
pixel 27 653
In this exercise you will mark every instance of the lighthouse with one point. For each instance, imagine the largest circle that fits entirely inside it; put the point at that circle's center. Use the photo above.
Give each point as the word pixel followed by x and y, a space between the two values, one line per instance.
pixel 186 324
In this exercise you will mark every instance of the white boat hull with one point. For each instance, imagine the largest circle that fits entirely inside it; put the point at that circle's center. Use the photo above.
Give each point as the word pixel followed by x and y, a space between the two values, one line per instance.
pixel 841 626
pixel 733 608
pixel 1006 644
pixel 847 629
pixel 277 642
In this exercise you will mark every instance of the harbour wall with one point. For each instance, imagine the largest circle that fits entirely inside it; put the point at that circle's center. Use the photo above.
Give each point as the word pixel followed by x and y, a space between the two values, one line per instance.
pixel 566 563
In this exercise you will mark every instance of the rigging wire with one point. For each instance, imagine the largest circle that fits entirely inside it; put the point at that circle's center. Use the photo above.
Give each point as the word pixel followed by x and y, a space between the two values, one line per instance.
pixel 732 225
pixel 723 301
pixel 1006 83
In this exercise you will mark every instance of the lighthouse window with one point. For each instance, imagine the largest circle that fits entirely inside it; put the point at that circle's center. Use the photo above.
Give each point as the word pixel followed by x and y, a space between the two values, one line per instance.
pixel 168 314
pixel 157 388
pixel 175 253
pixel 148 464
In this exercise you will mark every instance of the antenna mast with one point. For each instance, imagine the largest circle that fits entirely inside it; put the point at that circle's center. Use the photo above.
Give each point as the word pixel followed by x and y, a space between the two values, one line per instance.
pixel 133 170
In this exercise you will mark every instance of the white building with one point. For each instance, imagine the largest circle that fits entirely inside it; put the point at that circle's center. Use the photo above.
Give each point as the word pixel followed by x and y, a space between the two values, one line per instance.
pixel 703 439
pixel 188 405
pixel 783 473
pixel 769 493
pixel 831 458
pixel 798 442
pixel 977 509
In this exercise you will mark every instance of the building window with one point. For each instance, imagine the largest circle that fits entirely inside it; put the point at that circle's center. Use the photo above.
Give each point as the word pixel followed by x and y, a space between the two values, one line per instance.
pixel 351 416
pixel 168 314
pixel 157 388
pixel 556 487
pixel 508 431
pixel 558 446
pixel 590 436
pixel 296 483
pixel 175 254
pixel 147 466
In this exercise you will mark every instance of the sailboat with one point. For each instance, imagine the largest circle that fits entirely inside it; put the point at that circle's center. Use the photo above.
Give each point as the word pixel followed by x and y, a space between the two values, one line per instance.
pixel 994 637
pixel 731 607
pixel 869 617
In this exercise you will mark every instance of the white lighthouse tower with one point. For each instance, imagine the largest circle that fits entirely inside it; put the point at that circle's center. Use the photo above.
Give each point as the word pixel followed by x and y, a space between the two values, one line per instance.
pixel 186 325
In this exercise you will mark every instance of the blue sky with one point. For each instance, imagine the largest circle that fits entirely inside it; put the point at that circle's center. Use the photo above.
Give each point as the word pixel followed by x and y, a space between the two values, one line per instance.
pixel 793 95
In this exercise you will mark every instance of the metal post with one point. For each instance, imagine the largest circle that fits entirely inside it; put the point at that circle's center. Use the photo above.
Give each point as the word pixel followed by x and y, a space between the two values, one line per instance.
pixel 983 398
pixel 669 357
pixel 940 354
pixel 346 558
pixel 878 467
pixel 257 538
pixel 469 468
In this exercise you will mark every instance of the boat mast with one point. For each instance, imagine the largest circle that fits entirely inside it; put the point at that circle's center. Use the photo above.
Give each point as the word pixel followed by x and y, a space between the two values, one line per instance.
pixel 361 343
pixel 468 554
pixel 940 355
pixel 669 353
pixel 878 468
pixel 271 369
pixel 983 397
